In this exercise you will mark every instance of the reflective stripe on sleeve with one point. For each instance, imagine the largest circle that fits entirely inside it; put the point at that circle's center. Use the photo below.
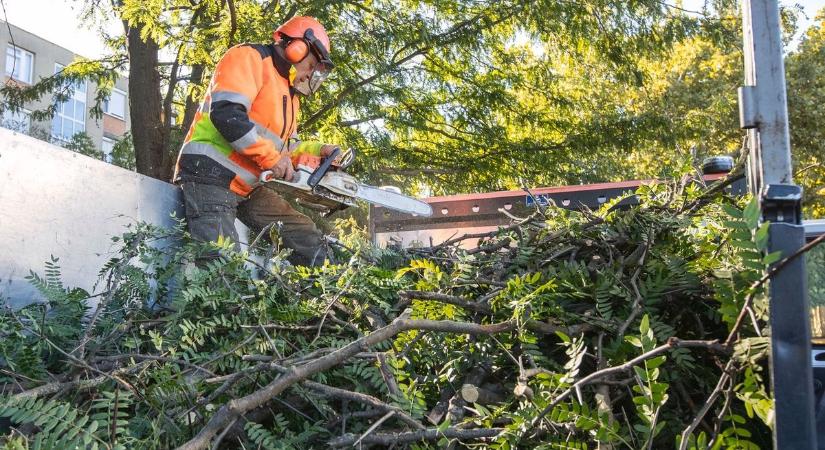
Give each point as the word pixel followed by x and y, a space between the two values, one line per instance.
pixel 233 97
pixel 250 138
pixel 270 136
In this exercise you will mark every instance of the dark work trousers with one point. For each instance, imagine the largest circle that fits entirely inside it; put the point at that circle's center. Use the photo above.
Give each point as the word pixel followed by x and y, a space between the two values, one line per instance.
pixel 211 211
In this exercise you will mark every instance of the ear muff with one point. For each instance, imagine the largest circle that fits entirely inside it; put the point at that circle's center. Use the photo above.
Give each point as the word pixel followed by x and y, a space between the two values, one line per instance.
pixel 296 50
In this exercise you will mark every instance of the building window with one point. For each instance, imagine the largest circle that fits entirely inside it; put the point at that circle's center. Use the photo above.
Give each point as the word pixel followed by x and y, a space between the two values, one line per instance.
pixel 17 121
pixel 115 105
pixel 19 64
pixel 70 116
pixel 107 146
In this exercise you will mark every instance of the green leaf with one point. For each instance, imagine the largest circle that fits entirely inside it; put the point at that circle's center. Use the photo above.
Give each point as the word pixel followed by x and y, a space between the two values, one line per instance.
pixel 641 373
pixel 655 362
pixel 737 225
pixel 761 237
pixel 644 326
pixel 751 213
pixel 732 211
pixel 444 425
pixel 634 340
pixel 772 257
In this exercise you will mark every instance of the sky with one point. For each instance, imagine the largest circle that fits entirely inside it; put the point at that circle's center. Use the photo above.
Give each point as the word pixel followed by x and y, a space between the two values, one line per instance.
pixel 61 24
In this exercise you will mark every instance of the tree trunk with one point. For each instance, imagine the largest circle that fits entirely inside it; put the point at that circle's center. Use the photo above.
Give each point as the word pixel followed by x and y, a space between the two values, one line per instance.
pixel 145 106
pixel 192 102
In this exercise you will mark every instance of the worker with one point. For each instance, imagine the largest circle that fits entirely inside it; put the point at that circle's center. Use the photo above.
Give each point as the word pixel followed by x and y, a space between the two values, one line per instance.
pixel 247 124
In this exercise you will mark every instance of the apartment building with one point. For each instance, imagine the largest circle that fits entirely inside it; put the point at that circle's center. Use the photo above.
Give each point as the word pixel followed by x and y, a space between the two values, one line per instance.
pixel 30 58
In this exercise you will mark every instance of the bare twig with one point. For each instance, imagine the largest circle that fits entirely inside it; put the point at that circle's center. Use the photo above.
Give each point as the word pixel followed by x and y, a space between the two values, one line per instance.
pixel 490 248
pixel 373 427
pixel 223 434
pixel 388 376
pixel 365 400
pixel 708 404
pixel 671 343
pixel 430 434
pixel 444 298
pixel 488 234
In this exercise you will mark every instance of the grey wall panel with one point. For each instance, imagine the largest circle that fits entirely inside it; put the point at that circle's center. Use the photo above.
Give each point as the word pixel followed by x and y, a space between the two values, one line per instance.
pixel 57 202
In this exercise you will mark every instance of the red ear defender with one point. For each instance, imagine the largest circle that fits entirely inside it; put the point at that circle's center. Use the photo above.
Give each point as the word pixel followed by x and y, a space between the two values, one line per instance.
pixel 296 51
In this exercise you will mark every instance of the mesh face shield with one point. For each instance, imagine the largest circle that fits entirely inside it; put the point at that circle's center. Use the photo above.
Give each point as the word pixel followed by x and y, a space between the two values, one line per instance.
pixel 316 79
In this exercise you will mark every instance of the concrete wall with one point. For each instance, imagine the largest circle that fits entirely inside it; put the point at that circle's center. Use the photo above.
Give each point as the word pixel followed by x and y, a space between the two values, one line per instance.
pixel 57 202
pixel 46 55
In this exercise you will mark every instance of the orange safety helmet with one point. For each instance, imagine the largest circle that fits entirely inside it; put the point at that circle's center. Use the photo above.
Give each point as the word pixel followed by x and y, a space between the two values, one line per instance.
pixel 301 34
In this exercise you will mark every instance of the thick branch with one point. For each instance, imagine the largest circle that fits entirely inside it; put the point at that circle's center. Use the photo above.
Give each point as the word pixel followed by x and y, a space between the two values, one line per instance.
pixel 236 407
pixel 364 399
pixel 445 298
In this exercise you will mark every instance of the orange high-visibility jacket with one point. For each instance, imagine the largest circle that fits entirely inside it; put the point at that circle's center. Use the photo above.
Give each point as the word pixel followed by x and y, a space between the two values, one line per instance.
pixel 247 118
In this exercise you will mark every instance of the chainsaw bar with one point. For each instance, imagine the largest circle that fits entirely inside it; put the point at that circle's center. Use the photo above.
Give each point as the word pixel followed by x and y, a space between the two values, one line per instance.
pixel 382 197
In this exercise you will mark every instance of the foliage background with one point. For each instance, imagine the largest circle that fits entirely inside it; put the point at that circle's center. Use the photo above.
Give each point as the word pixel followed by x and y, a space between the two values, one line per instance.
pixel 449 96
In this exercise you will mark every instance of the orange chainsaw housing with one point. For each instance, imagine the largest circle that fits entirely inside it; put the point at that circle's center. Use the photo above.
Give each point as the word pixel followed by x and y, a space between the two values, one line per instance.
pixel 306 160
pixel 310 161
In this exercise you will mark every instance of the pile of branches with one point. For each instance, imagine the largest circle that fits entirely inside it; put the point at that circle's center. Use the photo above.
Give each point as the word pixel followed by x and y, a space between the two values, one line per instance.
pixel 640 327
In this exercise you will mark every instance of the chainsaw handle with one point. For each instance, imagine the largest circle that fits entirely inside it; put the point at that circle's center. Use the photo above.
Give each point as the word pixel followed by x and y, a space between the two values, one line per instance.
pixel 323 168
pixel 266 176
pixel 347 158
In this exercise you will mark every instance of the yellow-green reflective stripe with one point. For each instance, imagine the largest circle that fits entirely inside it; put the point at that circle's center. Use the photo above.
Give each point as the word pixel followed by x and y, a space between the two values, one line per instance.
pixel 311 147
pixel 205 131
pixel 200 148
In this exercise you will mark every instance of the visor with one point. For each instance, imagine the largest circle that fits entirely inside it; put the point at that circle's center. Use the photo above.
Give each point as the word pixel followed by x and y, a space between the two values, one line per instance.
pixel 316 79
pixel 324 61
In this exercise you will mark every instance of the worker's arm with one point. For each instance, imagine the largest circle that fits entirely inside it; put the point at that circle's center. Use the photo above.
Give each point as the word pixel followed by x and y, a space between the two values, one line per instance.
pixel 314 148
pixel 237 80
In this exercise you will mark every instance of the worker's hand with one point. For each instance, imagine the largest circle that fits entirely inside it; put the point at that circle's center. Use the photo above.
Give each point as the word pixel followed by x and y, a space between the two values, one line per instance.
pixel 327 149
pixel 283 168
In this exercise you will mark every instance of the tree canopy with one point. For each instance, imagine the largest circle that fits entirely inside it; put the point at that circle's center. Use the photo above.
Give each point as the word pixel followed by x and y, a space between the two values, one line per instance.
pixel 462 96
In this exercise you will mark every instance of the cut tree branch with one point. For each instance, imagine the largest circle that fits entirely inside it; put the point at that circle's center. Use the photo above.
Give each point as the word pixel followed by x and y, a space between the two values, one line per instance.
pixel 227 413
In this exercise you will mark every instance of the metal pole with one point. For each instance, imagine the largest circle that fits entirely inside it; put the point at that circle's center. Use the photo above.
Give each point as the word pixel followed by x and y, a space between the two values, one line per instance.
pixel 763 111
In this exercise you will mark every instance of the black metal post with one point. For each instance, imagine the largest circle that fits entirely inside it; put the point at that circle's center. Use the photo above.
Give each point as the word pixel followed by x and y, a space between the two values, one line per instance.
pixel 764 112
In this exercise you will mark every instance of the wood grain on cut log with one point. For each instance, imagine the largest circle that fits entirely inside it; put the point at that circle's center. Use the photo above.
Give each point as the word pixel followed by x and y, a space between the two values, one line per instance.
pixel 476 394
pixel 474 377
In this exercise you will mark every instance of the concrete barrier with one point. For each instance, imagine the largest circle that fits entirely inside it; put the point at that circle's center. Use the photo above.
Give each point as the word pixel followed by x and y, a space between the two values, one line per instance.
pixel 57 202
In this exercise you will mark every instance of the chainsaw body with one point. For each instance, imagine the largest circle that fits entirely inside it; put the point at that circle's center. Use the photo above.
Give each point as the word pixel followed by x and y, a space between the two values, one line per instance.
pixel 322 185
pixel 318 198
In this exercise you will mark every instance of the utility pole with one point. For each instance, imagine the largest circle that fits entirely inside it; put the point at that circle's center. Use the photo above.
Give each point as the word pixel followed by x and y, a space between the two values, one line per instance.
pixel 763 111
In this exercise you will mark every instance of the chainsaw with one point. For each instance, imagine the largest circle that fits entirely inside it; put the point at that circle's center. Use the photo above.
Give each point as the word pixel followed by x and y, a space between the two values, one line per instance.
pixel 321 184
